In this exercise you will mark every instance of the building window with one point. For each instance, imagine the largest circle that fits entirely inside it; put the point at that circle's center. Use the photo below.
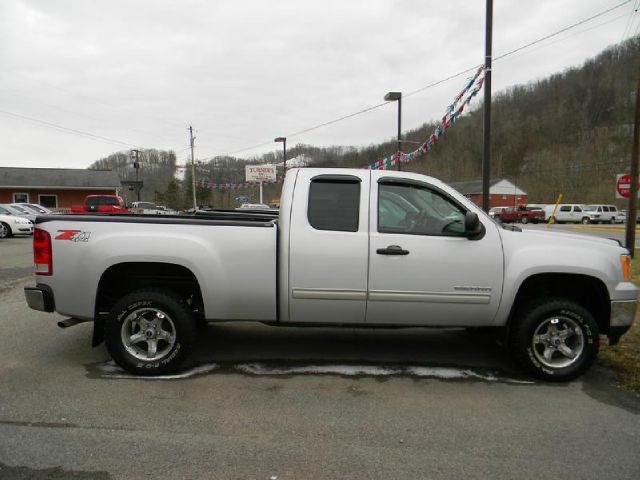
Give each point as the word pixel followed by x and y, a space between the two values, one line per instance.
pixel 20 198
pixel 49 201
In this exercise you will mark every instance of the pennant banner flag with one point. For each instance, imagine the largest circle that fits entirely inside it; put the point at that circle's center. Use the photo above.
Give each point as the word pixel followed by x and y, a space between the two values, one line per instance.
pixel 453 112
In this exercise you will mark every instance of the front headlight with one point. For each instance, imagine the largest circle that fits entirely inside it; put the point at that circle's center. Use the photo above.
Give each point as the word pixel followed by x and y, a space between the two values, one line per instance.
pixel 22 221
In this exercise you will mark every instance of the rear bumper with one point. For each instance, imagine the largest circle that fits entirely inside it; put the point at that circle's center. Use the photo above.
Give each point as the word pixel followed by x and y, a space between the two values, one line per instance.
pixel 40 298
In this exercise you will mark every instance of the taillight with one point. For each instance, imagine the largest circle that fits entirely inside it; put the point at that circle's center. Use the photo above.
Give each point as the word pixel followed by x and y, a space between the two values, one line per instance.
pixel 42 256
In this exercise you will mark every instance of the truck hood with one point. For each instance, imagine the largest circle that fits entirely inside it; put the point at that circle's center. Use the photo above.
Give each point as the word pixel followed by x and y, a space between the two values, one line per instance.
pixel 556 237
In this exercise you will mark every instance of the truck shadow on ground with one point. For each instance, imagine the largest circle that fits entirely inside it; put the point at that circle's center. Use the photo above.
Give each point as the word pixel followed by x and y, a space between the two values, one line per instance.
pixel 256 349
pixel 253 341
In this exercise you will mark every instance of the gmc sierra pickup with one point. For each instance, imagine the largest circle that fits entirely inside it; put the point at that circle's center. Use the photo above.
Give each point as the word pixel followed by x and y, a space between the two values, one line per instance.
pixel 353 248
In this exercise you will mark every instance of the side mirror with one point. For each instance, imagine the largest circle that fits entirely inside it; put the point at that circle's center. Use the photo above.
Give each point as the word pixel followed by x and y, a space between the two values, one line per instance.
pixel 472 226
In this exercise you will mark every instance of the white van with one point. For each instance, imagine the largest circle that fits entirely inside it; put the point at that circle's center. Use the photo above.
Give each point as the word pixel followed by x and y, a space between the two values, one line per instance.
pixel 575 213
pixel 608 213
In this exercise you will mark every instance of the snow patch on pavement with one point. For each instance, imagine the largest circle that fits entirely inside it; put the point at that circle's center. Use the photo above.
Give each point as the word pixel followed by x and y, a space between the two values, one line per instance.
pixel 111 370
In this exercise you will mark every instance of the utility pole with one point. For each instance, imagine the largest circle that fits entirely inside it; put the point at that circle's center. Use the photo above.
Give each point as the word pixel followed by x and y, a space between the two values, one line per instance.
pixel 193 169
pixel 136 164
pixel 486 157
pixel 632 209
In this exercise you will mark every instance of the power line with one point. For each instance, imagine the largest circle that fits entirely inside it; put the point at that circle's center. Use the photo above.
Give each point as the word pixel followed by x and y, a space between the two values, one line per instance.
pixel 73 131
pixel 558 32
pixel 438 82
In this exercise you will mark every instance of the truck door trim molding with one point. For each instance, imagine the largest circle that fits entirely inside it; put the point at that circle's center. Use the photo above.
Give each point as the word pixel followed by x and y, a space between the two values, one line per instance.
pixel 428 297
pixel 328 294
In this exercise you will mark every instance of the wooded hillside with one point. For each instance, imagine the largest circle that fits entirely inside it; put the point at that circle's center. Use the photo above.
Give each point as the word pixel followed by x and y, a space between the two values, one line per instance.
pixel 568 133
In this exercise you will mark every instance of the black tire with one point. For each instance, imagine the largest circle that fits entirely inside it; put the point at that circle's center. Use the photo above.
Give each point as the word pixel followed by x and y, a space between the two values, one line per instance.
pixel 174 332
pixel 531 357
pixel 524 219
pixel 585 221
pixel 5 230
pixel 612 220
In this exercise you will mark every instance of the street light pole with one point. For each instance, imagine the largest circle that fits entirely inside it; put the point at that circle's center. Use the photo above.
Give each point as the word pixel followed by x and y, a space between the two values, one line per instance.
pixel 486 157
pixel 193 169
pixel 397 96
pixel 283 140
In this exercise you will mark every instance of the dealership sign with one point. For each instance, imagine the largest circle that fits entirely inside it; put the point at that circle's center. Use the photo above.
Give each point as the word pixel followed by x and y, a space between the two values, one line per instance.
pixel 623 185
pixel 260 173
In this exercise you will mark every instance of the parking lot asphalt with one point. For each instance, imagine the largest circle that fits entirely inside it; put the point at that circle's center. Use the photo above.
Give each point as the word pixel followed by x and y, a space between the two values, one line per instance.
pixel 265 402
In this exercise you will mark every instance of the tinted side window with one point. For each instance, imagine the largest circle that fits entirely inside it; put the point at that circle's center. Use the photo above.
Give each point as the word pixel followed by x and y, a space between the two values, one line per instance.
pixel 577 209
pixel 334 205
pixel 416 210
pixel 565 208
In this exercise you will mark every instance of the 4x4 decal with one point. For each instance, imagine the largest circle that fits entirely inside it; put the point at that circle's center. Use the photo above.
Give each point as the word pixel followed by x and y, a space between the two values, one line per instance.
pixel 73 235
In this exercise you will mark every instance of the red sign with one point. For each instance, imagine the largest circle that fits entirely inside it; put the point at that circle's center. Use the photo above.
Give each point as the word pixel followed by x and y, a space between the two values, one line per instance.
pixel 623 185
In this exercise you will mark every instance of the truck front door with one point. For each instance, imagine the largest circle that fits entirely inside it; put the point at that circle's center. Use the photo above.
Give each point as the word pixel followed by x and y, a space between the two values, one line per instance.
pixel 423 270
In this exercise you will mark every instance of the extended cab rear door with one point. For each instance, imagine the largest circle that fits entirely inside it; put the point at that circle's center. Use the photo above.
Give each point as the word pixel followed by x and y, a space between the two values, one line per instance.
pixel 328 247
pixel 423 270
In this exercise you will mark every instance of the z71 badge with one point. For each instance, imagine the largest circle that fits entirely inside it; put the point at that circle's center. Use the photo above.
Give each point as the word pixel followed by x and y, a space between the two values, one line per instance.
pixel 73 235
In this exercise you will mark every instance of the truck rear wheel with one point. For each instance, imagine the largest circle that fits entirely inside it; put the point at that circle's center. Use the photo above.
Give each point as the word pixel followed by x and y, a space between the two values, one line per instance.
pixel 555 339
pixel 149 332
pixel 525 219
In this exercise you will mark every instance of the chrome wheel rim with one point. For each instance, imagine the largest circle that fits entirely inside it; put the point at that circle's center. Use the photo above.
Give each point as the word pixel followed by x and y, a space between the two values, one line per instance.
pixel 148 334
pixel 3 230
pixel 558 342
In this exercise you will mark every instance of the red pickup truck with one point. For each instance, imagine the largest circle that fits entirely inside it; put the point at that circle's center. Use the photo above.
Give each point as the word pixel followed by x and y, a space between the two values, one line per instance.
pixel 100 204
pixel 522 214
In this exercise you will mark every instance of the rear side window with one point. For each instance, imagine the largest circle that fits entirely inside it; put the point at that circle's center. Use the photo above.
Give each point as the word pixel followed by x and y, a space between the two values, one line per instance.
pixel 95 201
pixel 577 209
pixel 565 208
pixel 334 205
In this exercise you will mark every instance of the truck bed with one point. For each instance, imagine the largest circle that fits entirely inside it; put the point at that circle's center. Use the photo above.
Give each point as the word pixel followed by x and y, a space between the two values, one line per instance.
pixel 233 258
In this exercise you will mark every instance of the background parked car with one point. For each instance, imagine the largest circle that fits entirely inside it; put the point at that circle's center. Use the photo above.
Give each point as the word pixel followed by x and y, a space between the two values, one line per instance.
pixel 607 213
pixel 575 213
pixel 18 211
pixel 37 209
pixel 496 211
pixel 520 214
pixel 14 225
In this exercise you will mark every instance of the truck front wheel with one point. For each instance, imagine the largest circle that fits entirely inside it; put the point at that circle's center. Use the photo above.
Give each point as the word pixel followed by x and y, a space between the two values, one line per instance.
pixel 149 332
pixel 555 339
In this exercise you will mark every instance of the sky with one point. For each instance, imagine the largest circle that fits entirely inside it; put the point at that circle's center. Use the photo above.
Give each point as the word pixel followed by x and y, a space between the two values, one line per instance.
pixel 83 79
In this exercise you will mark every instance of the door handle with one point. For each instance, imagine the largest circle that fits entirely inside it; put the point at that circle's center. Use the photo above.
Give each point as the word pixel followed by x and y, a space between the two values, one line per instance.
pixel 392 250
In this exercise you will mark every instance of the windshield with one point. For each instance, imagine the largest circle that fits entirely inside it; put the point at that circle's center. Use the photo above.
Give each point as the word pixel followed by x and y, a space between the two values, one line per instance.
pixel 147 205
pixel 4 211
pixel 20 209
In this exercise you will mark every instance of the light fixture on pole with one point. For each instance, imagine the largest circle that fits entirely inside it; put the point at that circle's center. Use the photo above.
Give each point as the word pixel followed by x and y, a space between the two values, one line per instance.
pixel 284 153
pixel 393 97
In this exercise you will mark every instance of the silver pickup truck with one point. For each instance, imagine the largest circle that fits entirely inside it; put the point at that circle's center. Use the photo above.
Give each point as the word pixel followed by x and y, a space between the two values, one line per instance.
pixel 349 248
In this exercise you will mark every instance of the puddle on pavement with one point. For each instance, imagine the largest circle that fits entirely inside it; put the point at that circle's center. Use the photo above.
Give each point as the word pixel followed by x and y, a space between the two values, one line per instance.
pixel 109 370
